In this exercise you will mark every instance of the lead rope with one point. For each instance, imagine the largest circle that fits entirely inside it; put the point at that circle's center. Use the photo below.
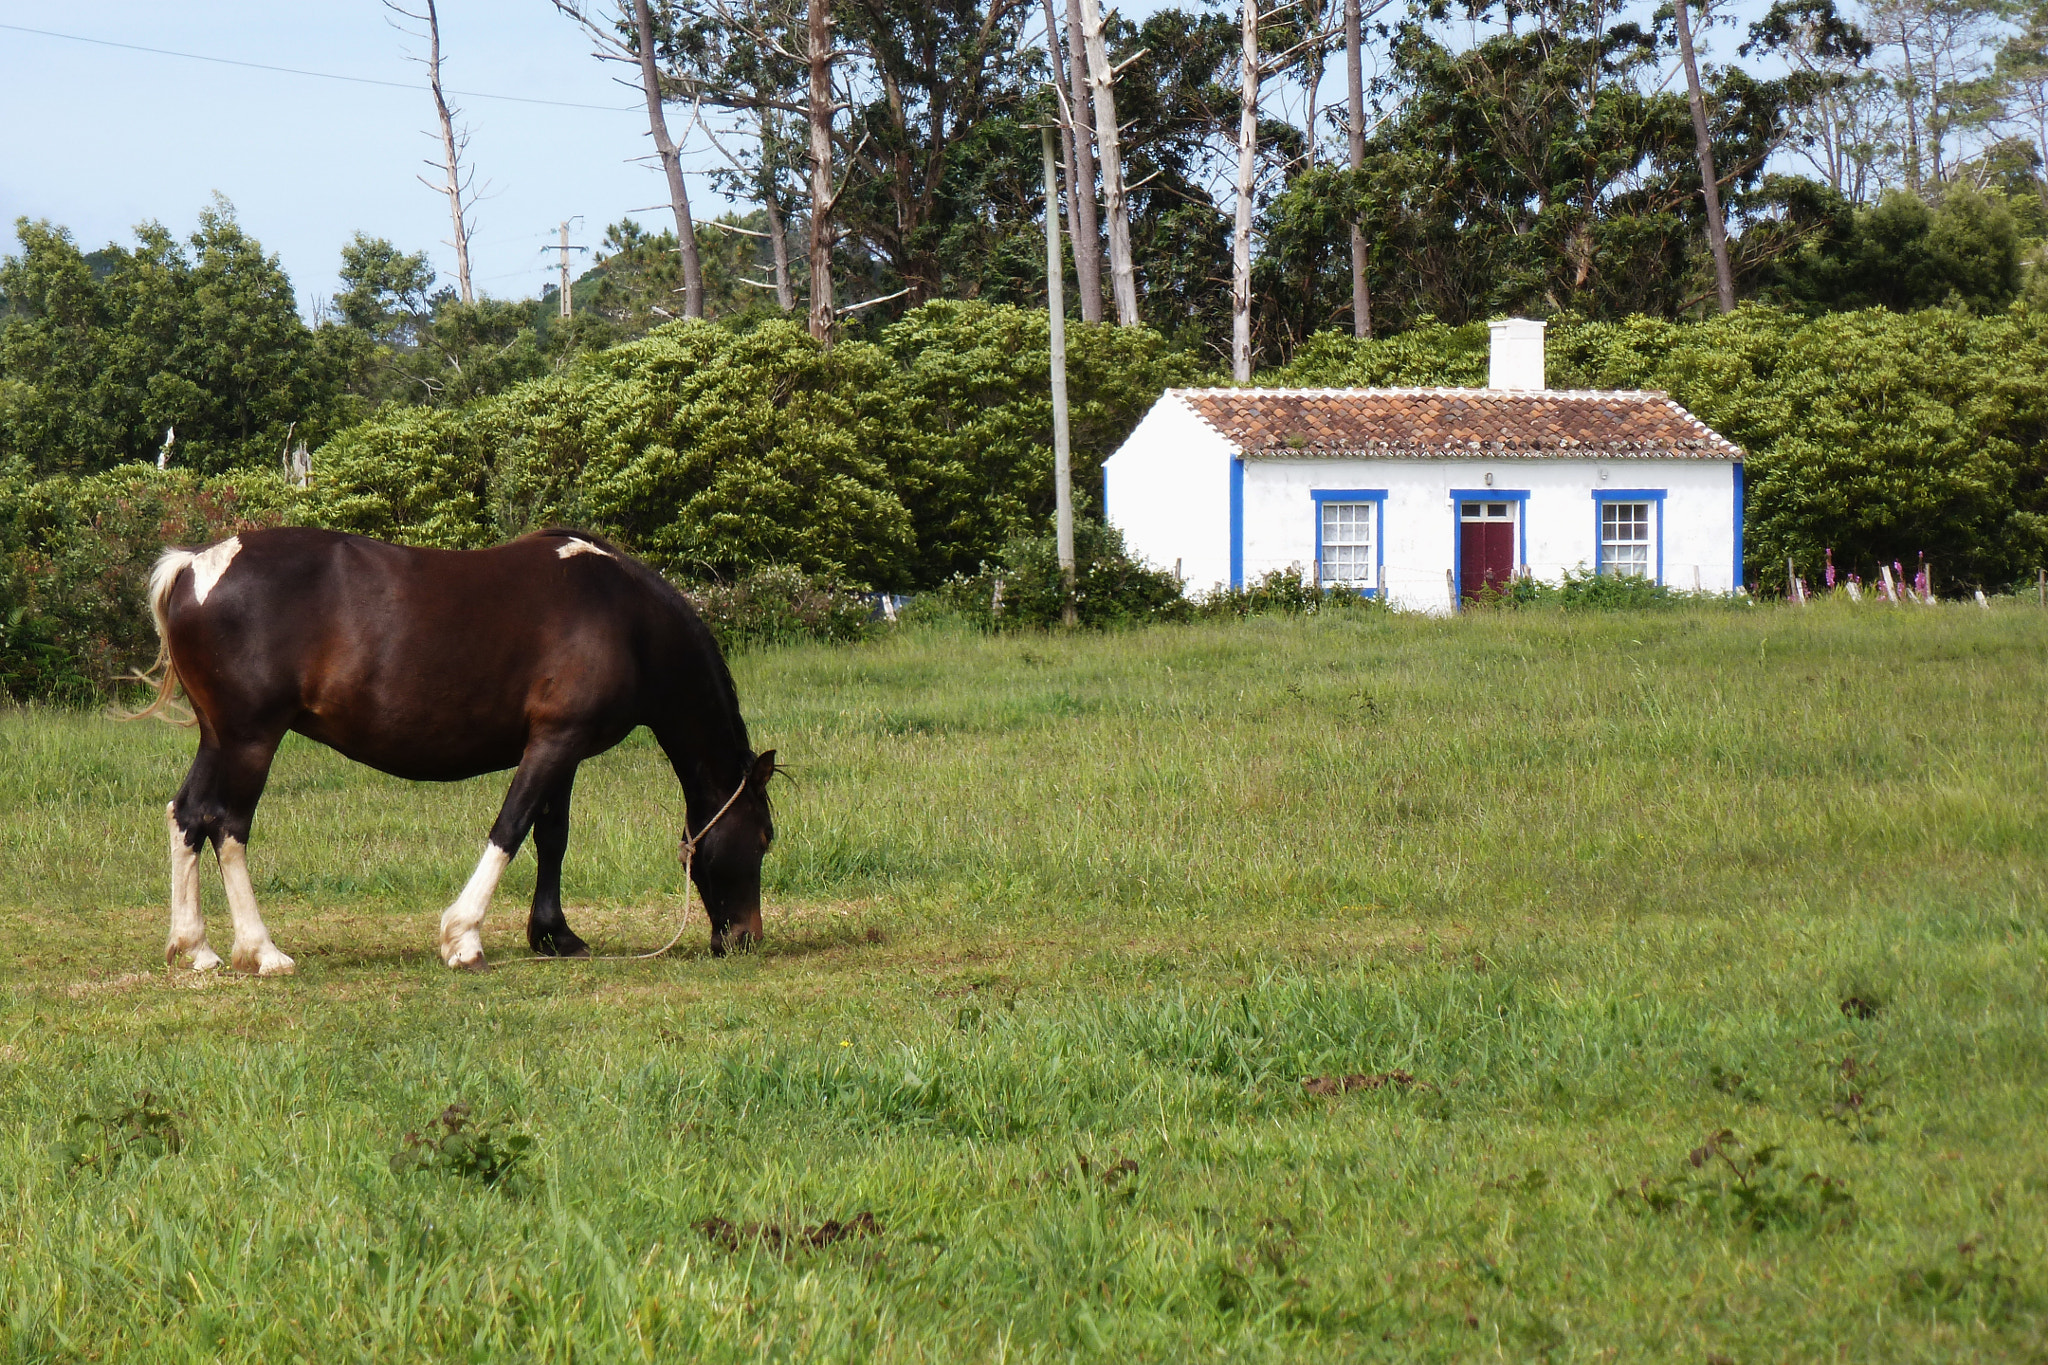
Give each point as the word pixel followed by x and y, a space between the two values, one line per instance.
pixel 689 852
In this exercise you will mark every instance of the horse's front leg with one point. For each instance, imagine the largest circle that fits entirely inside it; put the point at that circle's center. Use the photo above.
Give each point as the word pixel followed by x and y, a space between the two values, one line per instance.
pixel 544 767
pixel 547 929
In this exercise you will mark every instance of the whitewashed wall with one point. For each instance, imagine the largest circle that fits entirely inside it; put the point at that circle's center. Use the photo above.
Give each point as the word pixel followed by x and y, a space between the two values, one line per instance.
pixel 1168 490
pixel 1557 532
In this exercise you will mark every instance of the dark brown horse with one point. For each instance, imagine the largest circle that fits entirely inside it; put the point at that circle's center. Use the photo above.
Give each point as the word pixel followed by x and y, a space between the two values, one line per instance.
pixel 438 665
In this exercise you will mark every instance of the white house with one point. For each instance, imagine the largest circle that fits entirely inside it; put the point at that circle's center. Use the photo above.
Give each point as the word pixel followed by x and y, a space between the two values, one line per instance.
pixel 1426 495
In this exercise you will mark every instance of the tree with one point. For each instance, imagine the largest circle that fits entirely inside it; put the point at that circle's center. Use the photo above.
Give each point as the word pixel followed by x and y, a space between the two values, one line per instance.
pixel 456 182
pixel 1902 255
pixel 1108 140
pixel 99 355
pixel 1938 55
pixel 629 37
pixel 1841 116
pixel 1354 131
pixel 1710 188
pixel 1079 116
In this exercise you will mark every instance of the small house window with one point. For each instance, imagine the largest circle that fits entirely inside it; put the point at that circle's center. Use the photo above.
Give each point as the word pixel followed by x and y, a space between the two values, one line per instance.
pixel 1625 538
pixel 1347 543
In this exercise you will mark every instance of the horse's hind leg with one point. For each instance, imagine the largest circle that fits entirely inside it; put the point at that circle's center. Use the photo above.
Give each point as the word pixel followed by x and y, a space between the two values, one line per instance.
pixel 188 927
pixel 218 802
pixel 547 930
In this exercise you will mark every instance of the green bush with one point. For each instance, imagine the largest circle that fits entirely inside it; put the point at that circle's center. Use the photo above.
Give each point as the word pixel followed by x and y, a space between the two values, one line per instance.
pixel 1023 588
pixel 415 474
pixel 75 556
pixel 780 605
pixel 1287 592
pixel 712 450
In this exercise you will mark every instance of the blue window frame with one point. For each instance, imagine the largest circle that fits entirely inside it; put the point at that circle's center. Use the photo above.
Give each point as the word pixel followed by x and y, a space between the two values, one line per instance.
pixel 1628 531
pixel 1350 540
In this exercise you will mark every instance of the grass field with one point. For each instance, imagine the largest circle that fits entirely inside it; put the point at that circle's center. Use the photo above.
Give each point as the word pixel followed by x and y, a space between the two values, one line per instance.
pixel 1058 928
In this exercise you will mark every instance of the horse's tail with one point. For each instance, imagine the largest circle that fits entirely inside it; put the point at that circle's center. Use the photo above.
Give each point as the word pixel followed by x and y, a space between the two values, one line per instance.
pixel 162 579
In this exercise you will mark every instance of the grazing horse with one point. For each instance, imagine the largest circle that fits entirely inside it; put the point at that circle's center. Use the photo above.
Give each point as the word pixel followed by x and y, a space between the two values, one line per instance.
pixel 437 665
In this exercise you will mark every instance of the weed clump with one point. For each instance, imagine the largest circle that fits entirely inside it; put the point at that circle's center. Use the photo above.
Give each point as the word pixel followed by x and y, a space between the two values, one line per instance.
pixel 101 1138
pixel 457 1144
pixel 1339 1085
pixel 1732 1181
pixel 730 1236
pixel 1967 1282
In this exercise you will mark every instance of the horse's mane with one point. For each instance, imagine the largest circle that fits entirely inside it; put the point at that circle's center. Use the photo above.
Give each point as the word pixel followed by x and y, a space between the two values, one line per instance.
pixel 699 634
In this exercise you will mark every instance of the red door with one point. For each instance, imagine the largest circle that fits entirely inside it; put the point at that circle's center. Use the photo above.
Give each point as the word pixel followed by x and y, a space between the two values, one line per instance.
pixel 1486 547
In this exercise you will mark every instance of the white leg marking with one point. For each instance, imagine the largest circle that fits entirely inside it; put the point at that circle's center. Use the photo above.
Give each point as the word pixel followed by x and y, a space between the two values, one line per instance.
pixel 575 546
pixel 209 564
pixel 253 949
pixel 461 943
pixel 188 929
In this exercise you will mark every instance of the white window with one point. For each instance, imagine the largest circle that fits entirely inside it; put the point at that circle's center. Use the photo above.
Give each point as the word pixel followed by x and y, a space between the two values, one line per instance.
pixel 1625 530
pixel 1347 543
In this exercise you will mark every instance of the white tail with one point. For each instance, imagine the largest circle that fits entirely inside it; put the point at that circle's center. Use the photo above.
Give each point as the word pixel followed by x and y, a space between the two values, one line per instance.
pixel 162 579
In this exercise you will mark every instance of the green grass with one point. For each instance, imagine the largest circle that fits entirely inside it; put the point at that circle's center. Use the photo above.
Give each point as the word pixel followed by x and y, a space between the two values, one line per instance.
pixel 1045 905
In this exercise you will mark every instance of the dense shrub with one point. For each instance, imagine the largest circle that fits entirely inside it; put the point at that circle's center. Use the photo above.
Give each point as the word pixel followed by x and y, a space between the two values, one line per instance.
pixel 779 605
pixel 970 421
pixel 75 556
pixel 1288 592
pixel 712 450
pixel 416 475
pixel 1023 588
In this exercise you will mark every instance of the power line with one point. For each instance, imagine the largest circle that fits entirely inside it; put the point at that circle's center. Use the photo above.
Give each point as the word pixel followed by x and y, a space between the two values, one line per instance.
pixel 296 71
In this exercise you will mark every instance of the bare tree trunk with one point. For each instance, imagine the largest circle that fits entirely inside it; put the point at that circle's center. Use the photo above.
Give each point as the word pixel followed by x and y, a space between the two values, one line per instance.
pixel 1717 232
pixel 1088 248
pixel 778 240
pixel 1083 220
pixel 1123 274
pixel 671 162
pixel 451 162
pixel 823 314
pixel 1247 165
pixel 1354 76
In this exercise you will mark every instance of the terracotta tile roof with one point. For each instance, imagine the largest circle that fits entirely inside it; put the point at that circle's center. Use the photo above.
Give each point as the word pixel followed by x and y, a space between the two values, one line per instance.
pixel 1433 423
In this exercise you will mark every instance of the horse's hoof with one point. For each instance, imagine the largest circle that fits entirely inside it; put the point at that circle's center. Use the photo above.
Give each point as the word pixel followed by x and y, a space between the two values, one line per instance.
pixel 559 945
pixel 472 964
pixel 274 963
pixel 204 959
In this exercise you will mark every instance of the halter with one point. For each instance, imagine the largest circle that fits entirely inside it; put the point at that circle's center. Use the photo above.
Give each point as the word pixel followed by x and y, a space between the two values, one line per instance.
pixel 687 852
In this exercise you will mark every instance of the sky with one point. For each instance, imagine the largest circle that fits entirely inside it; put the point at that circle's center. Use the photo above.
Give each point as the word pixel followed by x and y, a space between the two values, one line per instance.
pixel 100 138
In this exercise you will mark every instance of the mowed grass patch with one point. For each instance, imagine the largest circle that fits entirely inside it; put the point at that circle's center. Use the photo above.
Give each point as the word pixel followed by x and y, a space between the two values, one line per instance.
pixel 1058 928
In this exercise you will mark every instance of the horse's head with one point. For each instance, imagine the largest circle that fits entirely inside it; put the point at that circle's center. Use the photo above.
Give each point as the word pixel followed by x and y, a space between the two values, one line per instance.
pixel 726 864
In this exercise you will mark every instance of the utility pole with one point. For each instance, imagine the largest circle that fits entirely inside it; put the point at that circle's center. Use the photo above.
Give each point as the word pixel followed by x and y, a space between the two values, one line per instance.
pixel 566 309
pixel 565 248
pixel 1056 316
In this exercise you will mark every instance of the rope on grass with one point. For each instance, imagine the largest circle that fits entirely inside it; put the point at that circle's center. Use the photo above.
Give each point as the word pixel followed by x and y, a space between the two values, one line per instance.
pixel 689 852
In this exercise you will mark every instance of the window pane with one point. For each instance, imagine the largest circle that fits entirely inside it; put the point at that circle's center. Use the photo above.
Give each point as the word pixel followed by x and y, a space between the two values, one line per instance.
pixel 1625 537
pixel 1497 510
pixel 1471 509
pixel 1347 543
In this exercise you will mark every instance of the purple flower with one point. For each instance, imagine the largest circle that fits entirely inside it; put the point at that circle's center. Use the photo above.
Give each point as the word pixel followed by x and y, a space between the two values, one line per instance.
pixel 1831 569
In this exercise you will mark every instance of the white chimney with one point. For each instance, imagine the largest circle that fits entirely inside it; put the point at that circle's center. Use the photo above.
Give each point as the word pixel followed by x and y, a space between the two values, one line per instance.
pixel 1516 361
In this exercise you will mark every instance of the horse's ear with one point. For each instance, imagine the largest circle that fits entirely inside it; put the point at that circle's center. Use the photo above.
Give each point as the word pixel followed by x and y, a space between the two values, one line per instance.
pixel 764 768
